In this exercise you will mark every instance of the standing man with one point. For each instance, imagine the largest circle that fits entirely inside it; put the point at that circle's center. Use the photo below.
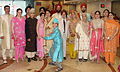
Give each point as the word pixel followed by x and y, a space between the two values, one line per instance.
pixel 83 7
pixel 57 13
pixel 63 26
pixel 7 43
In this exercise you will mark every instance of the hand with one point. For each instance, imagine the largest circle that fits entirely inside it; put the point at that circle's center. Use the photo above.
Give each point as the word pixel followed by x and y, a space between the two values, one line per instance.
pixel 2 37
pixel 28 40
pixel 48 27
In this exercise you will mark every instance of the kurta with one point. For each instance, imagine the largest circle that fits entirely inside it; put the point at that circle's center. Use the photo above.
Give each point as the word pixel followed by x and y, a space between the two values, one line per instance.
pixel 111 45
pixel 7 43
pixel 18 31
pixel 30 30
pixel 48 43
pixel 82 44
pixel 57 45
pixel 40 42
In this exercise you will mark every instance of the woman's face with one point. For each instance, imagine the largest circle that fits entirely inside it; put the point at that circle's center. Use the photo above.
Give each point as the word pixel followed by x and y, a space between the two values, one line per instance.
pixel 97 15
pixel 42 11
pixel 47 14
pixel 42 16
pixel 106 13
pixel 28 10
pixel 84 16
pixel 64 15
pixel 19 13
pixel 111 16
pixel 32 15
pixel 72 14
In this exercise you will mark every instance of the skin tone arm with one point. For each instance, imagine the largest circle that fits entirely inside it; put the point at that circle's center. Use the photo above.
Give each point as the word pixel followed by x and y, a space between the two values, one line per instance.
pixel 37 28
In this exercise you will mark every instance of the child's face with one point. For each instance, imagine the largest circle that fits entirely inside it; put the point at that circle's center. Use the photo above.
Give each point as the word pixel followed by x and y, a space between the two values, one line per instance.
pixel 55 25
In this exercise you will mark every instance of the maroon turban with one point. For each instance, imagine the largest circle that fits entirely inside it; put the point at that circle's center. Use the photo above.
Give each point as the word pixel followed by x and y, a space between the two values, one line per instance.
pixel 83 4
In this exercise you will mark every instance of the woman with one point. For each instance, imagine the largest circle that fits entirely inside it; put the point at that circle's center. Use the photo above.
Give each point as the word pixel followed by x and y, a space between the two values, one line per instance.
pixel 40 32
pixel 96 42
pixel 111 38
pixel 31 34
pixel 48 30
pixel 105 14
pixel 82 33
pixel 72 25
pixel 18 34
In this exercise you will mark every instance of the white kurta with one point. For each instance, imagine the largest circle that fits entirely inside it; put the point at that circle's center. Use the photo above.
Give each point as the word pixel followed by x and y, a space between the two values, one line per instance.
pixel 82 44
pixel 6 32
pixel 64 34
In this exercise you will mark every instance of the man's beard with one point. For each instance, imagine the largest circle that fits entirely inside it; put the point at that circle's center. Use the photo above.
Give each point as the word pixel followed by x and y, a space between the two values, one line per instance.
pixel 58 11
pixel 83 11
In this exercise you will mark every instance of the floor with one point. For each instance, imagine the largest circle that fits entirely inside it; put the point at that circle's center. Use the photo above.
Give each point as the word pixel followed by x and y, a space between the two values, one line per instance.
pixel 69 65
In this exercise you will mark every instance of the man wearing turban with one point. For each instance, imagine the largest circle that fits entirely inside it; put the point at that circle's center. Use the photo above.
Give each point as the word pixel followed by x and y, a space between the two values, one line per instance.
pixel 83 7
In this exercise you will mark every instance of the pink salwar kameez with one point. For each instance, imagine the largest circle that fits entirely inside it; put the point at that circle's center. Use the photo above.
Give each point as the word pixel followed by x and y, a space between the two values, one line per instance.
pixel 96 42
pixel 40 41
pixel 18 34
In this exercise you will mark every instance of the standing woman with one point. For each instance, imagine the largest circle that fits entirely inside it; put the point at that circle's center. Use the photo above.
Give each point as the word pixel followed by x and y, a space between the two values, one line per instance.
pixel 40 32
pixel 72 26
pixel 18 34
pixel 48 30
pixel 31 34
pixel 82 31
pixel 111 37
pixel 96 42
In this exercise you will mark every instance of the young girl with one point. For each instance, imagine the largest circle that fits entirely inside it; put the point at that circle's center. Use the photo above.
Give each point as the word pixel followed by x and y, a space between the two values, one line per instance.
pixel 40 32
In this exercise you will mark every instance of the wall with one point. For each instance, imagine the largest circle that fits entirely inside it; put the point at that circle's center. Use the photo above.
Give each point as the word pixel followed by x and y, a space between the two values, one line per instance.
pixel 93 6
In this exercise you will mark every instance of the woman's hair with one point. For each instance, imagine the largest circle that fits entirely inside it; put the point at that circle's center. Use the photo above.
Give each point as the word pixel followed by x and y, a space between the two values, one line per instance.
pixel 6 6
pixel 64 11
pixel 27 8
pixel 106 10
pixel 42 8
pixel 19 9
pixel 41 14
pixel 98 12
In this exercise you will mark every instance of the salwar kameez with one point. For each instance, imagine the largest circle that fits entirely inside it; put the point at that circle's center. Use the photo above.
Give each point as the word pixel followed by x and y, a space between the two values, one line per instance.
pixel 18 35
pixel 111 27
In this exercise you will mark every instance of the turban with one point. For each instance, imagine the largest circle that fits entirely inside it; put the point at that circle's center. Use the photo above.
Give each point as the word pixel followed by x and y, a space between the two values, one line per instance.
pixel 83 4
pixel 58 5
pixel 55 21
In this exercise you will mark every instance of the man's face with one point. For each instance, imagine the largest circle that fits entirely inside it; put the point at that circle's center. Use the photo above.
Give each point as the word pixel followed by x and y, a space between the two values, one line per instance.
pixel 7 10
pixel 83 9
pixel 58 9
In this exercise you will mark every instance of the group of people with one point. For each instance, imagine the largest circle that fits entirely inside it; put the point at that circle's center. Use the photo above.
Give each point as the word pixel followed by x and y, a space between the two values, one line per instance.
pixel 86 35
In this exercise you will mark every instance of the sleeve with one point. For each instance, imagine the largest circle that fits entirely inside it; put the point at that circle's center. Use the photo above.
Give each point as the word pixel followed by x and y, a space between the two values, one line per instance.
pixel 77 28
pixel 27 32
pixel 1 27
pixel 52 36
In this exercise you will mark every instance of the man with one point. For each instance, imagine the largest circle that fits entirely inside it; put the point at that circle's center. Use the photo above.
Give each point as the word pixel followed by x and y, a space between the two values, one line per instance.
pixel 83 7
pixel 63 26
pixel 7 43
pixel 58 9
pixel 57 54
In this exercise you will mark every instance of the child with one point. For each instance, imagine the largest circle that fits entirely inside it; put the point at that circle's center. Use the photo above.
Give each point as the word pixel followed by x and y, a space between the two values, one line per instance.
pixel 57 56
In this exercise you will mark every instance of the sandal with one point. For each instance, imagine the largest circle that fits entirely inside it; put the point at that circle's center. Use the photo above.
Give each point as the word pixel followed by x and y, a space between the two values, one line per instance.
pixel 58 69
